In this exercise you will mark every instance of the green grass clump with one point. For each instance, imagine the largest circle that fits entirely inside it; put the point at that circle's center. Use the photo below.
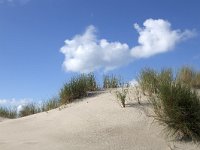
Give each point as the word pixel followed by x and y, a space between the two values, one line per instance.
pixel 186 76
pixel 189 77
pixel 178 108
pixel 148 81
pixel 91 83
pixel 175 104
pixel 50 104
pixel 77 88
pixel 111 82
pixel 8 112
pixel 29 109
pixel 165 75
pixel 196 81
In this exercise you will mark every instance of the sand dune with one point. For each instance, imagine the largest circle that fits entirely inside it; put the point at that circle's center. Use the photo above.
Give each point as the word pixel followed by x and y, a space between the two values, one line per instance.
pixel 95 123
pixel 2 119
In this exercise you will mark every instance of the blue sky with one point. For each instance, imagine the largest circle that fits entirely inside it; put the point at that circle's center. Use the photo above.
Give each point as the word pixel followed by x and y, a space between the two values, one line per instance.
pixel 32 33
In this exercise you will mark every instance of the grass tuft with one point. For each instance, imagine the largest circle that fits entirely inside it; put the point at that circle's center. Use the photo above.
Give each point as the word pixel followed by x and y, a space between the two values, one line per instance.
pixel 6 112
pixel 175 104
pixel 178 108
pixel 29 109
pixel 77 88
pixel 121 95
pixel 50 104
pixel 186 76
pixel 111 82
pixel 148 81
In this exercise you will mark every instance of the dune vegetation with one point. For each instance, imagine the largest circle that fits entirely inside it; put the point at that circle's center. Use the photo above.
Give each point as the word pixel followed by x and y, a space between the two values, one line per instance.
pixel 8 112
pixel 172 95
pixel 176 104
pixel 76 88
pixel 111 81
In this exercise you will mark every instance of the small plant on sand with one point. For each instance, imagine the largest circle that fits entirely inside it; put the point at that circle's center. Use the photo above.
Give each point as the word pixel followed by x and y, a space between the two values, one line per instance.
pixel 121 95
pixel 177 107
pixel 137 94
pixel 8 112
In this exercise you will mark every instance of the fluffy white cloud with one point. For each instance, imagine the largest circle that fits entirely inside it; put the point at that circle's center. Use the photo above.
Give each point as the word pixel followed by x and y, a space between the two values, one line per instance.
pixel 133 82
pixel 157 37
pixel 85 53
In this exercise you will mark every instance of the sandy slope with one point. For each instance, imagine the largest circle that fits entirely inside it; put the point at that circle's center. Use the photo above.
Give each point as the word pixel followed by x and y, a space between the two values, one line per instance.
pixel 96 123
pixel 2 119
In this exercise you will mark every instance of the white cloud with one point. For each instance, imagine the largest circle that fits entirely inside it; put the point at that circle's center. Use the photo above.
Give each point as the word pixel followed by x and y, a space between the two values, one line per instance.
pixel 20 108
pixel 86 53
pixel 133 82
pixel 157 37
pixel 13 102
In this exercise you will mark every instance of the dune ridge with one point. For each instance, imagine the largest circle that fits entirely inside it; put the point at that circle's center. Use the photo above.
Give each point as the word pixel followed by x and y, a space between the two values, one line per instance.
pixel 94 123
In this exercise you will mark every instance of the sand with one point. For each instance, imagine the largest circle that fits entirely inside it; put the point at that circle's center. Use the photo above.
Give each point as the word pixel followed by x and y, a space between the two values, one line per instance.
pixel 2 119
pixel 95 123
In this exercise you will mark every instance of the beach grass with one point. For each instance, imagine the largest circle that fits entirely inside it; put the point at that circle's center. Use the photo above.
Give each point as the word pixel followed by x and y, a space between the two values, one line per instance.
pixel 111 81
pixel 8 112
pixel 175 104
pixel 121 96
pixel 29 109
pixel 177 107
pixel 189 77
pixel 50 104
pixel 77 88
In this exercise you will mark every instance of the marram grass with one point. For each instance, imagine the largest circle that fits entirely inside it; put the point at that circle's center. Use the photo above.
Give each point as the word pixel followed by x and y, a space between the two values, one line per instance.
pixel 6 112
pixel 177 107
pixel 77 88
pixel 175 104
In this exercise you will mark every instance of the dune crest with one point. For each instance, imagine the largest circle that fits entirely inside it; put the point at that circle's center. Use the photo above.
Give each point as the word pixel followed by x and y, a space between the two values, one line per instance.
pixel 95 123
